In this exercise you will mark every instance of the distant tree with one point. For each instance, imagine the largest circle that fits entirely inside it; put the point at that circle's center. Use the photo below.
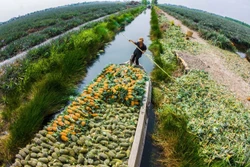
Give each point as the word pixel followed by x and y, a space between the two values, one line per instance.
pixel 144 2
pixel 154 2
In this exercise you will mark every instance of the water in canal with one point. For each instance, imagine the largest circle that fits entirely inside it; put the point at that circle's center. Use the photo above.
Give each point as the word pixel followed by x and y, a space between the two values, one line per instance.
pixel 120 49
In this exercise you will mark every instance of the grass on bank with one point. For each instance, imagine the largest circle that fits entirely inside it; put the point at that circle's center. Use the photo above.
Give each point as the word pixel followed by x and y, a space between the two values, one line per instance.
pixel 179 147
pixel 43 84
pixel 157 50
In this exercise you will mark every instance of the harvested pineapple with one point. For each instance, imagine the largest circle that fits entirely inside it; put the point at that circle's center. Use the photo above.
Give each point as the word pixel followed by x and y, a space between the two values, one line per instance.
pixel 97 128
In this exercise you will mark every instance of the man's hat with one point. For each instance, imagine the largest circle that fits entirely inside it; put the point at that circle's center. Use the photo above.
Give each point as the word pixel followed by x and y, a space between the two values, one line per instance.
pixel 140 39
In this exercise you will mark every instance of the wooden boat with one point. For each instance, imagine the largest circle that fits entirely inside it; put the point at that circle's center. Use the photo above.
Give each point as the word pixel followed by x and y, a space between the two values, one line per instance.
pixel 59 146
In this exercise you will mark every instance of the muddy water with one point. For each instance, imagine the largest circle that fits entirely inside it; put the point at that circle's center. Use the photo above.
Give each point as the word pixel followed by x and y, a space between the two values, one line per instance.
pixel 120 49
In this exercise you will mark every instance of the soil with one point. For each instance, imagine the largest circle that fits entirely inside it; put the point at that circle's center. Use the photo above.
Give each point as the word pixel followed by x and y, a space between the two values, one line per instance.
pixel 225 67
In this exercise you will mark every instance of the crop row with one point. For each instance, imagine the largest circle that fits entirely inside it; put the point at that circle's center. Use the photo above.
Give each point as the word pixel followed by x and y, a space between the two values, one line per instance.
pixel 42 84
pixel 97 128
pixel 28 31
pixel 223 32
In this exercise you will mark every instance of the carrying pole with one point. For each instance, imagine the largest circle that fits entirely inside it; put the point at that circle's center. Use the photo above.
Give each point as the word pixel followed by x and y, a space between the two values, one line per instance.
pixel 150 58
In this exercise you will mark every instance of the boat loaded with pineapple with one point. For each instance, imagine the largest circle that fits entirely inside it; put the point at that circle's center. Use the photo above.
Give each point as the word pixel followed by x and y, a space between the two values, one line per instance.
pixel 98 128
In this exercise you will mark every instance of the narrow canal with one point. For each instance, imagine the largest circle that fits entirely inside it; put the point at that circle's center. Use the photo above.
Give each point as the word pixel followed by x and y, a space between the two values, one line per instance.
pixel 119 51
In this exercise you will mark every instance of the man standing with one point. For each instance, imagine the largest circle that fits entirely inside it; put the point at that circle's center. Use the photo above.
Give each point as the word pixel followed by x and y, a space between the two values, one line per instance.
pixel 137 53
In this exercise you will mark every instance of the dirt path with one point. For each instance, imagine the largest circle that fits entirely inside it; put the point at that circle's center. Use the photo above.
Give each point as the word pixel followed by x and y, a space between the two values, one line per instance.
pixel 215 61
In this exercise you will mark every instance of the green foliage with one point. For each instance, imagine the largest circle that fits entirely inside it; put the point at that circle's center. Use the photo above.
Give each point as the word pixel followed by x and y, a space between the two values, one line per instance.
pixel 112 25
pixel 218 39
pixel 144 2
pixel 35 28
pixel 103 32
pixel 157 73
pixel 219 30
pixel 157 97
pixel 237 21
pixel 171 122
pixel 155 32
pixel 48 94
pixel 154 2
pixel 172 130
pixel 157 50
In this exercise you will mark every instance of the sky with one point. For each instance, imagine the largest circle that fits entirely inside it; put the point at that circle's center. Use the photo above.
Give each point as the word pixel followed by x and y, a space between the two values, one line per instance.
pixel 237 9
